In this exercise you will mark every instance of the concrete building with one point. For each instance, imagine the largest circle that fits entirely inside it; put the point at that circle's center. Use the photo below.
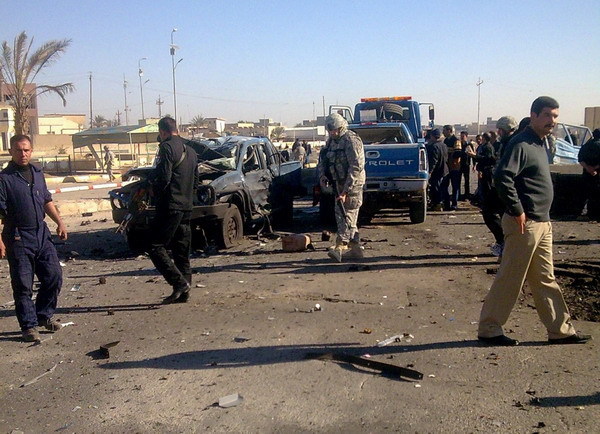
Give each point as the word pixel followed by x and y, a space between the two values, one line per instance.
pixel 61 123
pixel 6 95
pixel 7 125
pixel 215 124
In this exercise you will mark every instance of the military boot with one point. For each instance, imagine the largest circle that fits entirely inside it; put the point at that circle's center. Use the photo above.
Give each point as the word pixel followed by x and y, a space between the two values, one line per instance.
pixel 337 252
pixel 355 251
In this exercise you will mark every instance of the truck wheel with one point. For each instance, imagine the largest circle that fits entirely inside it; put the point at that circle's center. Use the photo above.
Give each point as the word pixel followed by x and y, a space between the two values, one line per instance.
pixel 418 210
pixel 232 228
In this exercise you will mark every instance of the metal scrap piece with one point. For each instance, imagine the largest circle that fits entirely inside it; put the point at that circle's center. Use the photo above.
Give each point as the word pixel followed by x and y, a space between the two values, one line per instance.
pixel 385 368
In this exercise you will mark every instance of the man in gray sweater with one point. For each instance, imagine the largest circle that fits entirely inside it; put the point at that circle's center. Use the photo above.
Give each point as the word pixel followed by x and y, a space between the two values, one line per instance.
pixel 523 182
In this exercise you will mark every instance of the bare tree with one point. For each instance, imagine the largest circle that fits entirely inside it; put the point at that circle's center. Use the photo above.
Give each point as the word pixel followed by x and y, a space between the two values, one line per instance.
pixel 19 68
pixel 277 133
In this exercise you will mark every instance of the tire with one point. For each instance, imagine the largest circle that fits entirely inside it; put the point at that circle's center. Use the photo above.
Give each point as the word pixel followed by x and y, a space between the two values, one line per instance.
pixel 231 229
pixel 418 210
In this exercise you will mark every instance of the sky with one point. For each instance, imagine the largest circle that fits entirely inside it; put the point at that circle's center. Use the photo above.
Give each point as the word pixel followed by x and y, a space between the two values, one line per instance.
pixel 251 59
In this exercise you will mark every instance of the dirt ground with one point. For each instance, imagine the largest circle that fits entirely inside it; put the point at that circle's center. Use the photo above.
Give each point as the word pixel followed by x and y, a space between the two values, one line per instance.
pixel 252 320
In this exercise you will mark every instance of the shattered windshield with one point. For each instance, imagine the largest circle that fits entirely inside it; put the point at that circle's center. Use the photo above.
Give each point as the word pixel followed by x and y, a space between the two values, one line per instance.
pixel 382 135
pixel 228 155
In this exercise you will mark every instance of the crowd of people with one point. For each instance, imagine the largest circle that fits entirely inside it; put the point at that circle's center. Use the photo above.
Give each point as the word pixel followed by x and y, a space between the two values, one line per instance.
pixel 514 192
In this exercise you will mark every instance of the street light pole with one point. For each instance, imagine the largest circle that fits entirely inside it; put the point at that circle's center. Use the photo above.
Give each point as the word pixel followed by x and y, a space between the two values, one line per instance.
pixel 141 73
pixel 479 83
pixel 173 50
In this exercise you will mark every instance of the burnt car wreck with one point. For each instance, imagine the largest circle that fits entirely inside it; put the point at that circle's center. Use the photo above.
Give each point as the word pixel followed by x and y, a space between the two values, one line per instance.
pixel 245 187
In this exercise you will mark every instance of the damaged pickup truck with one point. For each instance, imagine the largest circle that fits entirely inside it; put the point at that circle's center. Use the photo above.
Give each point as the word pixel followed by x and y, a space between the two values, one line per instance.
pixel 245 186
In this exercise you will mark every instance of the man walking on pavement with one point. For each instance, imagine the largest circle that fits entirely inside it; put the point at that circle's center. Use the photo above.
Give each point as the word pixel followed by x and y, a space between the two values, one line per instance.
pixel 109 160
pixel 174 182
pixel 523 182
pixel 26 241
pixel 342 166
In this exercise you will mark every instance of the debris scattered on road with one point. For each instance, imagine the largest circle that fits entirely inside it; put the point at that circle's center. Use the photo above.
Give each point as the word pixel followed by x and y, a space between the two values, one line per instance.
pixel 85 223
pixel 325 236
pixel 366 331
pixel 240 339
pixel 295 242
pixel 87 214
pixel 199 285
pixel 66 324
pixel 417 385
pixel 36 379
pixel 102 280
pixel 317 307
pixel 231 400
pixel 75 288
pixel 102 352
pixel 407 337
pixel 384 368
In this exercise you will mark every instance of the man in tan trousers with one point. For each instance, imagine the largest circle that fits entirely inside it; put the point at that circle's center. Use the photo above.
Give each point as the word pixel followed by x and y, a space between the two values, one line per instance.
pixel 524 185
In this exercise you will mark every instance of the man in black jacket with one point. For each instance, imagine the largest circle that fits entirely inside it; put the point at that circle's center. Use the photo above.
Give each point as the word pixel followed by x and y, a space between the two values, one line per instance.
pixel 174 181
pixel 589 157
pixel 437 155
pixel 522 179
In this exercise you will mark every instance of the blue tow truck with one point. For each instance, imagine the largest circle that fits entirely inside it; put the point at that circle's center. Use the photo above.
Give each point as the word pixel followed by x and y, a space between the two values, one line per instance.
pixel 395 157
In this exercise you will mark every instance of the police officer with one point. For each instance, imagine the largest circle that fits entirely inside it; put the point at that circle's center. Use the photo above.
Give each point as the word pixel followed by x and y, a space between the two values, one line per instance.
pixel 26 241
pixel 174 181
pixel 343 166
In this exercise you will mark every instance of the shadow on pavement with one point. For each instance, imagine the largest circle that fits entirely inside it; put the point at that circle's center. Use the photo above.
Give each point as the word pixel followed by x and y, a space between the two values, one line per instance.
pixel 567 401
pixel 268 355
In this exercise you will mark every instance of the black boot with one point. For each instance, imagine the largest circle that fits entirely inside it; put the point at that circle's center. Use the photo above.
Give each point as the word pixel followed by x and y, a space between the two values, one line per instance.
pixel 177 295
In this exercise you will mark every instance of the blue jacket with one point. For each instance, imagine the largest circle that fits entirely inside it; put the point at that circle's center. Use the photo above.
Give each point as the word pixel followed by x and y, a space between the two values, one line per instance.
pixel 21 204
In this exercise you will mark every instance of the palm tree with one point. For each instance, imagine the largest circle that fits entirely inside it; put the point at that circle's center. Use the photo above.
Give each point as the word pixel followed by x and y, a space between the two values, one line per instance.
pixel 198 121
pixel 100 121
pixel 19 67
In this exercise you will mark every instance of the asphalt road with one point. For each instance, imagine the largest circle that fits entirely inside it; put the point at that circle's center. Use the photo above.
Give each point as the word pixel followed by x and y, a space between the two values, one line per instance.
pixel 252 320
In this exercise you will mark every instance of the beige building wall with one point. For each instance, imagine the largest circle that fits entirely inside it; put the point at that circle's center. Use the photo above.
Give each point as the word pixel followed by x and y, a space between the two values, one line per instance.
pixel 7 125
pixel 60 124
pixel 592 117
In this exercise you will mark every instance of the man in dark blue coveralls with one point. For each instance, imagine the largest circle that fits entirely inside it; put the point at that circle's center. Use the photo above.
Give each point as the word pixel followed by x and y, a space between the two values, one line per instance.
pixel 26 241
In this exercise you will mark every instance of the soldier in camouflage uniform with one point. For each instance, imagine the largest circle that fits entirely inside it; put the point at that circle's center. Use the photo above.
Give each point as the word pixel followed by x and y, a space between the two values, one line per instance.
pixel 342 166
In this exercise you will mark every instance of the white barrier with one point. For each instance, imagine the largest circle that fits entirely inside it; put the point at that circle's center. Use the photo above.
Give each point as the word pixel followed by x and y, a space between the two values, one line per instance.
pixel 90 187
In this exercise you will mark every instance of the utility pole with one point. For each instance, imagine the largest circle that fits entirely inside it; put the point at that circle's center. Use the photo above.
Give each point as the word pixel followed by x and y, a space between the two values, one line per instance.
pixel 125 94
pixel 159 103
pixel 91 114
pixel 141 73
pixel 478 84
pixel 118 115
pixel 323 105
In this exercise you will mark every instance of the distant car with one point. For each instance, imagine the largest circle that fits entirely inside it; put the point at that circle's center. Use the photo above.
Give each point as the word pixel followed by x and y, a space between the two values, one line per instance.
pixel 244 183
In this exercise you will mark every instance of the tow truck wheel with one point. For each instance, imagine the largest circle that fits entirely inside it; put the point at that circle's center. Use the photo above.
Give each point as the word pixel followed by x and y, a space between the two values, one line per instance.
pixel 418 210
pixel 232 228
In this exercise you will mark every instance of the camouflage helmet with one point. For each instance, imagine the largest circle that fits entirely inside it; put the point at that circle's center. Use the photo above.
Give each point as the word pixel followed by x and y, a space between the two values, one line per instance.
pixel 506 123
pixel 335 121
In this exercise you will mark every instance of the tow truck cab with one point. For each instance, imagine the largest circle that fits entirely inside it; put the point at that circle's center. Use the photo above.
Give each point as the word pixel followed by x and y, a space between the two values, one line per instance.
pixel 389 109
